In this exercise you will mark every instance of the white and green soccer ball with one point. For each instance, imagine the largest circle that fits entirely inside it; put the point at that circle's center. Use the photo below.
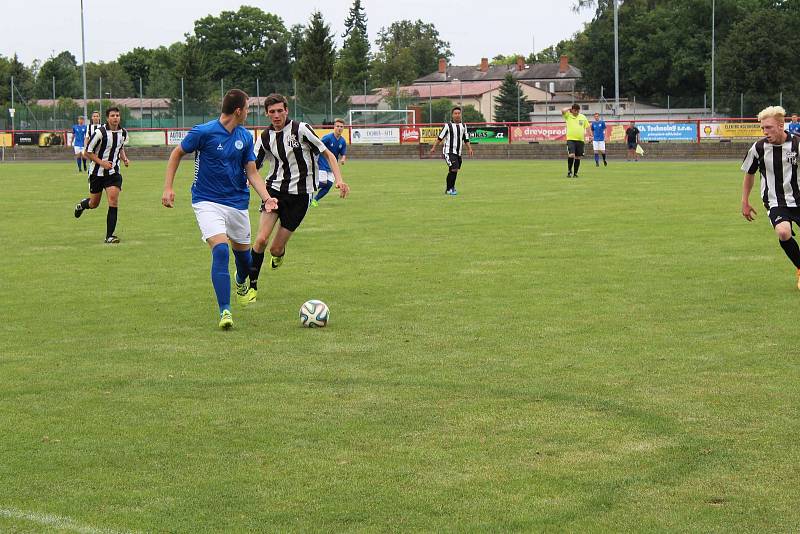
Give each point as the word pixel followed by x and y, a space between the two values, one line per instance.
pixel 314 314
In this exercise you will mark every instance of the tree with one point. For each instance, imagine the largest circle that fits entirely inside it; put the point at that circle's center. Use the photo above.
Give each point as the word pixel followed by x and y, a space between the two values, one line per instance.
pixel 406 51
pixel 352 66
pixel 441 109
pixel 315 64
pixel 64 69
pixel 138 64
pixel 164 82
pixel 511 103
pixel 115 80
pixel 243 45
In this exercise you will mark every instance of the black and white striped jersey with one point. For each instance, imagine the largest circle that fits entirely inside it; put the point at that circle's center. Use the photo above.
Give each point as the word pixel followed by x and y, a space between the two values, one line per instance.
pixel 106 145
pixel 90 130
pixel 293 155
pixel 453 137
pixel 777 165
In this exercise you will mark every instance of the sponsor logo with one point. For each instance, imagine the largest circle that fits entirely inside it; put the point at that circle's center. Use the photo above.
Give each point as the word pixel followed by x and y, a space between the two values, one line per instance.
pixel 791 157
pixel 292 142
pixel 239 144
pixel 219 147
pixel 410 134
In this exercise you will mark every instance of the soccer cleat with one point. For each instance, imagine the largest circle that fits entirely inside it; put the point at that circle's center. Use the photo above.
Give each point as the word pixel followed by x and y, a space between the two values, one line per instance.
pixel 575 175
pixel 605 163
pixel 247 297
pixel 453 192
pixel 569 175
pixel 314 203
pixel 226 320
pixel 111 240
pixel 276 261
pixel 78 211
pixel 596 163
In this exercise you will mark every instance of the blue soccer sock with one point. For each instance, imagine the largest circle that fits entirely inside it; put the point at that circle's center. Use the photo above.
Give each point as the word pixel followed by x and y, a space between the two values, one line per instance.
pixel 79 161
pixel 323 190
pixel 597 158
pixel 220 276
pixel 243 261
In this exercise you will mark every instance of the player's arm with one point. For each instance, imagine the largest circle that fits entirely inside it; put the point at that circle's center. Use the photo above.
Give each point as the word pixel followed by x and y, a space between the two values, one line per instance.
pixel 259 186
pixel 92 156
pixel 747 185
pixel 168 197
pixel 565 110
pixel 343 155
pixel 343 188
pixel 466 142
pixel 124 156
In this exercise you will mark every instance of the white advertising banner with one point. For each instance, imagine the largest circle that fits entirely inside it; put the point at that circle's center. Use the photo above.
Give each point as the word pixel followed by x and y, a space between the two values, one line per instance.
pixel 174 137
pixel 366 136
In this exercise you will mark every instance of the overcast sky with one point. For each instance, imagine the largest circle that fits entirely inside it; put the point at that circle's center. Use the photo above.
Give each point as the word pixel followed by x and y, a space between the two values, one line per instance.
pixel 38 29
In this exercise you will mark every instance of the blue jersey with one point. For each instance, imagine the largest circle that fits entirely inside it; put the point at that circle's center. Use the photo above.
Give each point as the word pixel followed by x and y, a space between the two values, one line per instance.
pixel 78 134
pixel 599 130
pixel 219 161
pixel 794 127
pixel 338 147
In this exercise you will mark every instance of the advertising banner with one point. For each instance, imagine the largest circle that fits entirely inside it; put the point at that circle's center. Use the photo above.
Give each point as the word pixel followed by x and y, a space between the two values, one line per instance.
pixel 489 134
pixel 667 131
pixel 729 130
pixel 428 134
pixel 538 132
pixel 366 136
pixel 322 132
pixel 51 139
pixel 409 135
pixel 150 138
pixel 26 138
pixel 174 137
pixel 5 139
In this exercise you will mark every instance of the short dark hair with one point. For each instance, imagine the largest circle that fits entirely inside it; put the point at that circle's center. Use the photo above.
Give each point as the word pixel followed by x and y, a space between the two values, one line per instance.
pixel 338 120
pixel 234 99
pixel 576 106
pixel 109 110
pixel 276 98
pixel 455 108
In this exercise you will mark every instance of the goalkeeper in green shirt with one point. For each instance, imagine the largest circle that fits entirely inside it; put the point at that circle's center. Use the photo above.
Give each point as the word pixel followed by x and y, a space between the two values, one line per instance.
pixel 576 136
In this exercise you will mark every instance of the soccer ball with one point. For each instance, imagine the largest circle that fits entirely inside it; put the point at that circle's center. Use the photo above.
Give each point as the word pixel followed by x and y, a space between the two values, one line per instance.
pixel 314 314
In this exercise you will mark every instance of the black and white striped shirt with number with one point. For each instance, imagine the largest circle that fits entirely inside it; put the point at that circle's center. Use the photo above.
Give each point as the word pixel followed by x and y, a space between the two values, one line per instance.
pixel 106 145
pixel 453 137
pixel 293 155
pixel 778 167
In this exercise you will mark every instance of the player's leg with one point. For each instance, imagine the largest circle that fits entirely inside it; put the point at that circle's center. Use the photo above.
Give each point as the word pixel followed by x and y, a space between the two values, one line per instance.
pixel 237 225
pixel 570 158
pixel 578 155
pixel 78 156
pixel 449 179
pixel 211 220
pixel 266 223
pixel 325 183
pixel 93 200
pixel 112 194
pixel 454 168
pixel 596 150
pixel 292 214
pixel 783 230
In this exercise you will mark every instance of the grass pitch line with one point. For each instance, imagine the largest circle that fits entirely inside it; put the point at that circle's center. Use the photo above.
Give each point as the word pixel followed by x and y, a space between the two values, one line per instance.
pixel 57 521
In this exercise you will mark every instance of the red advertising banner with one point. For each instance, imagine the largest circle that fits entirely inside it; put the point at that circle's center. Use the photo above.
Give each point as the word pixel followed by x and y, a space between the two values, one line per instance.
pixel 409 135
pixel 558 132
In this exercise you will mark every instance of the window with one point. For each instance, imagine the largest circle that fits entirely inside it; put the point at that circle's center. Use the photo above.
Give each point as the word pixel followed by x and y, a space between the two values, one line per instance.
pixel 551 108
pixel 585 106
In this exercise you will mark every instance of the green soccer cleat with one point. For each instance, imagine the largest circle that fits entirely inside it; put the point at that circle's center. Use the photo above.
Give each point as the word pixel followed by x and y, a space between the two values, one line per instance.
pixel 277 261
pixel 226 320
pixel 314 203
pixel 247 297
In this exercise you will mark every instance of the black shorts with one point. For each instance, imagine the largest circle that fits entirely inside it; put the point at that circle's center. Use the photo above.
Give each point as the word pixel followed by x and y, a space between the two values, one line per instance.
pixel 631 145
pixel 291 208
pixel 98 183
pixel 453 161
pixel 781 214
pixel 575 147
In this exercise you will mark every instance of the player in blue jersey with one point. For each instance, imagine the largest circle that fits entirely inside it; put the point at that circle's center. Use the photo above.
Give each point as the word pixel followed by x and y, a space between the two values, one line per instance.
pixel 598 126
pixel 79 142
pixel 794 126
pixel 224 165
pixel 338 147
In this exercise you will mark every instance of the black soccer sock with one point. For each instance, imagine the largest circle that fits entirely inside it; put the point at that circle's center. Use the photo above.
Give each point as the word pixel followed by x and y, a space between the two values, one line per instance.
pixel 569 164
pixel 604 156
pixel 451 180
pixel 577 165
pixel 255 267
pixel 84 204
pixel 792 251
pixel 111 221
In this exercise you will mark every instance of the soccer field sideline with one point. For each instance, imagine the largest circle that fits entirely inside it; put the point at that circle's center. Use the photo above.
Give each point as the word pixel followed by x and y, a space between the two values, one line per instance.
pixel 533 354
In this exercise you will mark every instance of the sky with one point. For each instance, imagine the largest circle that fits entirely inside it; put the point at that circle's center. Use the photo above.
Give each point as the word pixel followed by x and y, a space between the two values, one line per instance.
pixel 474 28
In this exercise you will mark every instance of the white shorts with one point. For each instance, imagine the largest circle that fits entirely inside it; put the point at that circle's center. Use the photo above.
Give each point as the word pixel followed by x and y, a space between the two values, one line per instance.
pixel 214 219
pixel 326 176
pixel 599 145
pixel 78 150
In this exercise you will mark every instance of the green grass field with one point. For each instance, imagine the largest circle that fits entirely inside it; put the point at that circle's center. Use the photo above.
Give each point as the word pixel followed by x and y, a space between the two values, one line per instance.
pixel 617 353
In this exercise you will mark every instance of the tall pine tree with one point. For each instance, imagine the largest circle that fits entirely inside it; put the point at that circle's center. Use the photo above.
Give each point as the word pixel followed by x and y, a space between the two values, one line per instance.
pixel 315 65
pixel 352 67
pixel 511 104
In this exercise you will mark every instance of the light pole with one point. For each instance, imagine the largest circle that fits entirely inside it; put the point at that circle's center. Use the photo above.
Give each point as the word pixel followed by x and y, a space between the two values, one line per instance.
pixel 713 31
pixel 83 67
pixel 616 57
